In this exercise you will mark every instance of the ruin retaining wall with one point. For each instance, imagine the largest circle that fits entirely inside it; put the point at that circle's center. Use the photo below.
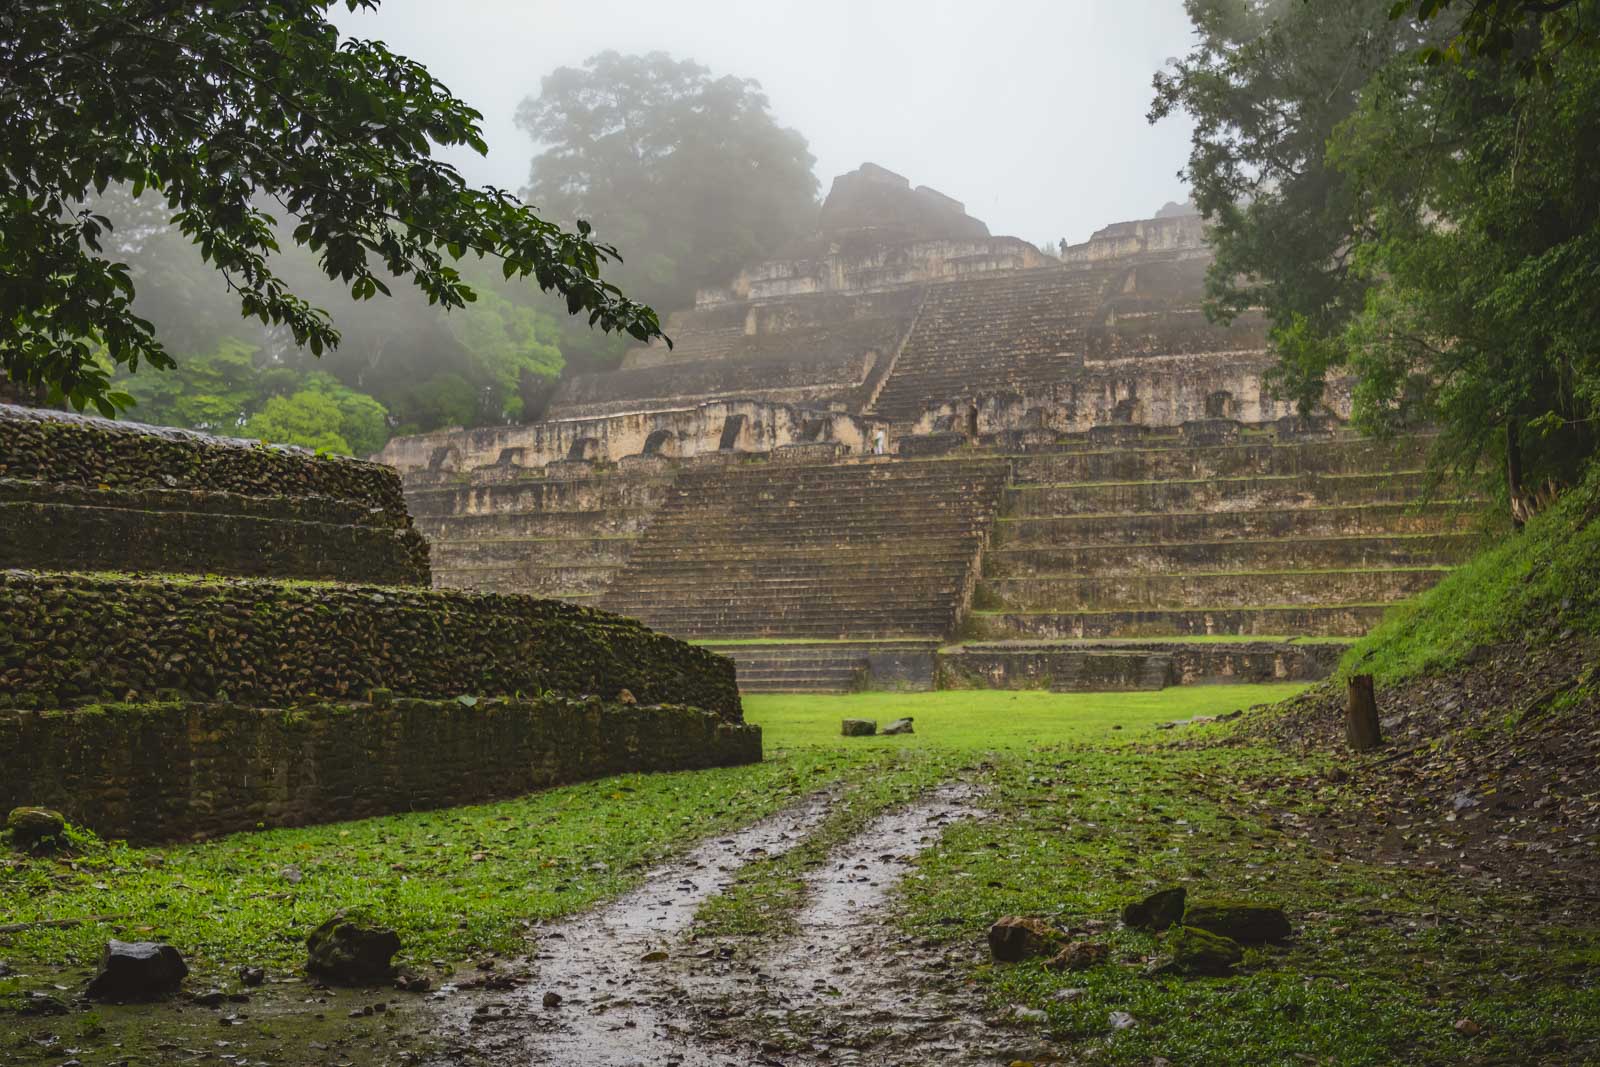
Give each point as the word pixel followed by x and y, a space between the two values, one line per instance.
pixel 70 639
pixel 164 771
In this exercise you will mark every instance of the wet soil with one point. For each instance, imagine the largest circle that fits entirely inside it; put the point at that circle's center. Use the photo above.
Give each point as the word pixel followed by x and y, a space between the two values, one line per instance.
pixel 1488 769
pixel 636 989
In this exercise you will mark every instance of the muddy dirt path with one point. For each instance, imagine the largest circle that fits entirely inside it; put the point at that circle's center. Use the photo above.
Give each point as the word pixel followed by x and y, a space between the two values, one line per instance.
pixel 845 989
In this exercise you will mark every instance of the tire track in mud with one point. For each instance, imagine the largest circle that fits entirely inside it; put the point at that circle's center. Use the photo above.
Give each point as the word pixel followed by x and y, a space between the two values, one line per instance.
pixel 617 1009
pixel 635 993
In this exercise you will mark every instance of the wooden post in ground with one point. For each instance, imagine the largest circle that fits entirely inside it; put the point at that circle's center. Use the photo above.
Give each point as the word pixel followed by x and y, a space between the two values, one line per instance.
pixel 1361 727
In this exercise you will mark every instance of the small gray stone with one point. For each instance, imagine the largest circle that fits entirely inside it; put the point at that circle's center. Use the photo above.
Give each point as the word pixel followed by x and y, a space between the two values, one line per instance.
pixel 858 728
pixel 137 970
pixel 899 726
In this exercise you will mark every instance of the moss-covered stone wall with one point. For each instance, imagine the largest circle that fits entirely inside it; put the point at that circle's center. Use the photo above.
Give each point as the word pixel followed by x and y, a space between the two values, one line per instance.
pixel 50 446
pixel 50 527
pixel 173 770
pixel 67 639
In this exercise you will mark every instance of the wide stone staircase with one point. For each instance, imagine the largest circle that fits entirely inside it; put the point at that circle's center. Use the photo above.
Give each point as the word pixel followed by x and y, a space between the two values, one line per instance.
pixel 1015 329
pixel 866 549
pixel 561 538
pixel 1167 545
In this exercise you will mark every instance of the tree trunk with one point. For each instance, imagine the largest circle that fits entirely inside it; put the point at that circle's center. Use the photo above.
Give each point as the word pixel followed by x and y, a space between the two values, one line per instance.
pixel 1514 471
pixel 1361 727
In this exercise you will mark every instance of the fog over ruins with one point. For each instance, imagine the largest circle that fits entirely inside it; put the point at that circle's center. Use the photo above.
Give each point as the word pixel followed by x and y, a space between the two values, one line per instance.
pixel 832 534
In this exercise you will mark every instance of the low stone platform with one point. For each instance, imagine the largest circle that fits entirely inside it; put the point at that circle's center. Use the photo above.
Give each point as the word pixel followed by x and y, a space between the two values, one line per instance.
pixel 832 666
pixel 162 771
pixel 1088 666
pixel 80 493
pixel 215 688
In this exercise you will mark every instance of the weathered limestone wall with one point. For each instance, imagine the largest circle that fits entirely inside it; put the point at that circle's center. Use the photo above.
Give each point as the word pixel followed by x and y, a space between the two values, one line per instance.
pixel 177 770
pixel 1157 391
pixel 717 426
pixel 1182 233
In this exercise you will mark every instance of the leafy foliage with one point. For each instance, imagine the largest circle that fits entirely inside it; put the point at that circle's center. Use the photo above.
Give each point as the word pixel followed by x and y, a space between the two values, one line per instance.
pixel 1433 229
pixel 222 107
pixel 1267 84
pixel 1531 33
pixel 691 173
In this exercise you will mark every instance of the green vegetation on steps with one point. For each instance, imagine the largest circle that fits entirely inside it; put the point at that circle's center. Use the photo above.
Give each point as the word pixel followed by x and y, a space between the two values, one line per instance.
pixel 1540 582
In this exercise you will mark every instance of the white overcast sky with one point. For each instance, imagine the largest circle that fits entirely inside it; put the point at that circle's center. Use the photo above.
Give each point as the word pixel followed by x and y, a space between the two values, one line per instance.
pixel 1032 112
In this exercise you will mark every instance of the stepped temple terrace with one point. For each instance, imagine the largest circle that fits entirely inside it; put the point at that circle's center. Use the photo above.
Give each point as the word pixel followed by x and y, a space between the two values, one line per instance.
pixel 911 454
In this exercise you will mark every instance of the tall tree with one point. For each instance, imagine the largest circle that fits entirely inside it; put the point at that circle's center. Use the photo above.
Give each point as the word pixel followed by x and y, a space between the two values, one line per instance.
pixel 690 173
pixel 1267 84
pixel 216 104
pixel 1436 234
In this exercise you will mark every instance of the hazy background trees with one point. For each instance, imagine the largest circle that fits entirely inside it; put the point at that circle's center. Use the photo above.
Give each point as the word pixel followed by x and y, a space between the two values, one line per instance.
pixel 690 172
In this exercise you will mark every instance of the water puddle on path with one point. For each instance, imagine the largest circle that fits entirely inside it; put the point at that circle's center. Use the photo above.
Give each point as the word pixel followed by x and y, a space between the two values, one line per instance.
pixel 620 1005
pixel 634 992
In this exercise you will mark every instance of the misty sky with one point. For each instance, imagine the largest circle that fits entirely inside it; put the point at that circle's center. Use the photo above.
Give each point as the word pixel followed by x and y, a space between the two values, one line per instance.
pixel 1029 111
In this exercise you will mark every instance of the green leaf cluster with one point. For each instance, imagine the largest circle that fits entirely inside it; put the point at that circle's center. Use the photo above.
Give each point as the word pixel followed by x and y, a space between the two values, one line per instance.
pixel 1429 230
pixel 248 121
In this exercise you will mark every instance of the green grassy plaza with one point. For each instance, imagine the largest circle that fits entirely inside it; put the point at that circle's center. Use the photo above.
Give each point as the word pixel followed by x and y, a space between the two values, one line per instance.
pixel 1091 807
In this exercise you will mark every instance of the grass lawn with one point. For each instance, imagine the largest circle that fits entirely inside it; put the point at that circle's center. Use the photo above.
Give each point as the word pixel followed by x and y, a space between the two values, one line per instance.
pixel 977 720
pixel 1087 817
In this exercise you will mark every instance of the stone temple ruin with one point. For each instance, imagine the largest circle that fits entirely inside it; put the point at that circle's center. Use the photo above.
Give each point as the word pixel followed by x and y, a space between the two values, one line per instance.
pixel 1077 471
pixel 201 635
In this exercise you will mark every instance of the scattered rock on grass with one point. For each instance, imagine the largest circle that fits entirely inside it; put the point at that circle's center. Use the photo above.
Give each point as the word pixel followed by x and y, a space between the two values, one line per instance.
pixel 1195 952
pixel 1016 938
pixel 252 976
pixel 1080 956
pixel 344 951
pixel 1156 911
pixel 42 1004
pixel 1248 924
pixel 899 726
pixel 32 826
pixel 858 728
pixel 137 970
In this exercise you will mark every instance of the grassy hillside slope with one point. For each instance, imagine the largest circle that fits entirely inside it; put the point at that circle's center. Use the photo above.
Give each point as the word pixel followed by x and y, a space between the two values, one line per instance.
pixel 1542 583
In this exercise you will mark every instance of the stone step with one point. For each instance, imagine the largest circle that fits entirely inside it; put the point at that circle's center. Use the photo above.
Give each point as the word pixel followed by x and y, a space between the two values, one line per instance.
pixel 1215 494
pixel 1306 553
pixel 1261 523
pixel 1035 664
pixel 1245 459
pixel 535 525
pixel 573 552
pixel 1220 590
pixel 1319 620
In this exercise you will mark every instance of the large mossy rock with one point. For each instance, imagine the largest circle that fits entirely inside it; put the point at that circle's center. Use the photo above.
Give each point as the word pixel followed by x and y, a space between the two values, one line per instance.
pixel 1199 953
pixel 1248 924
pixel 347 951
pixel 1156 911
pixel 137 971
pixel 30 826
pixel 858 727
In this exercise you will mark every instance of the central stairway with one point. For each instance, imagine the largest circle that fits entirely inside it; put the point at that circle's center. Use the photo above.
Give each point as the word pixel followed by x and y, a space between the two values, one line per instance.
pixel 866 549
